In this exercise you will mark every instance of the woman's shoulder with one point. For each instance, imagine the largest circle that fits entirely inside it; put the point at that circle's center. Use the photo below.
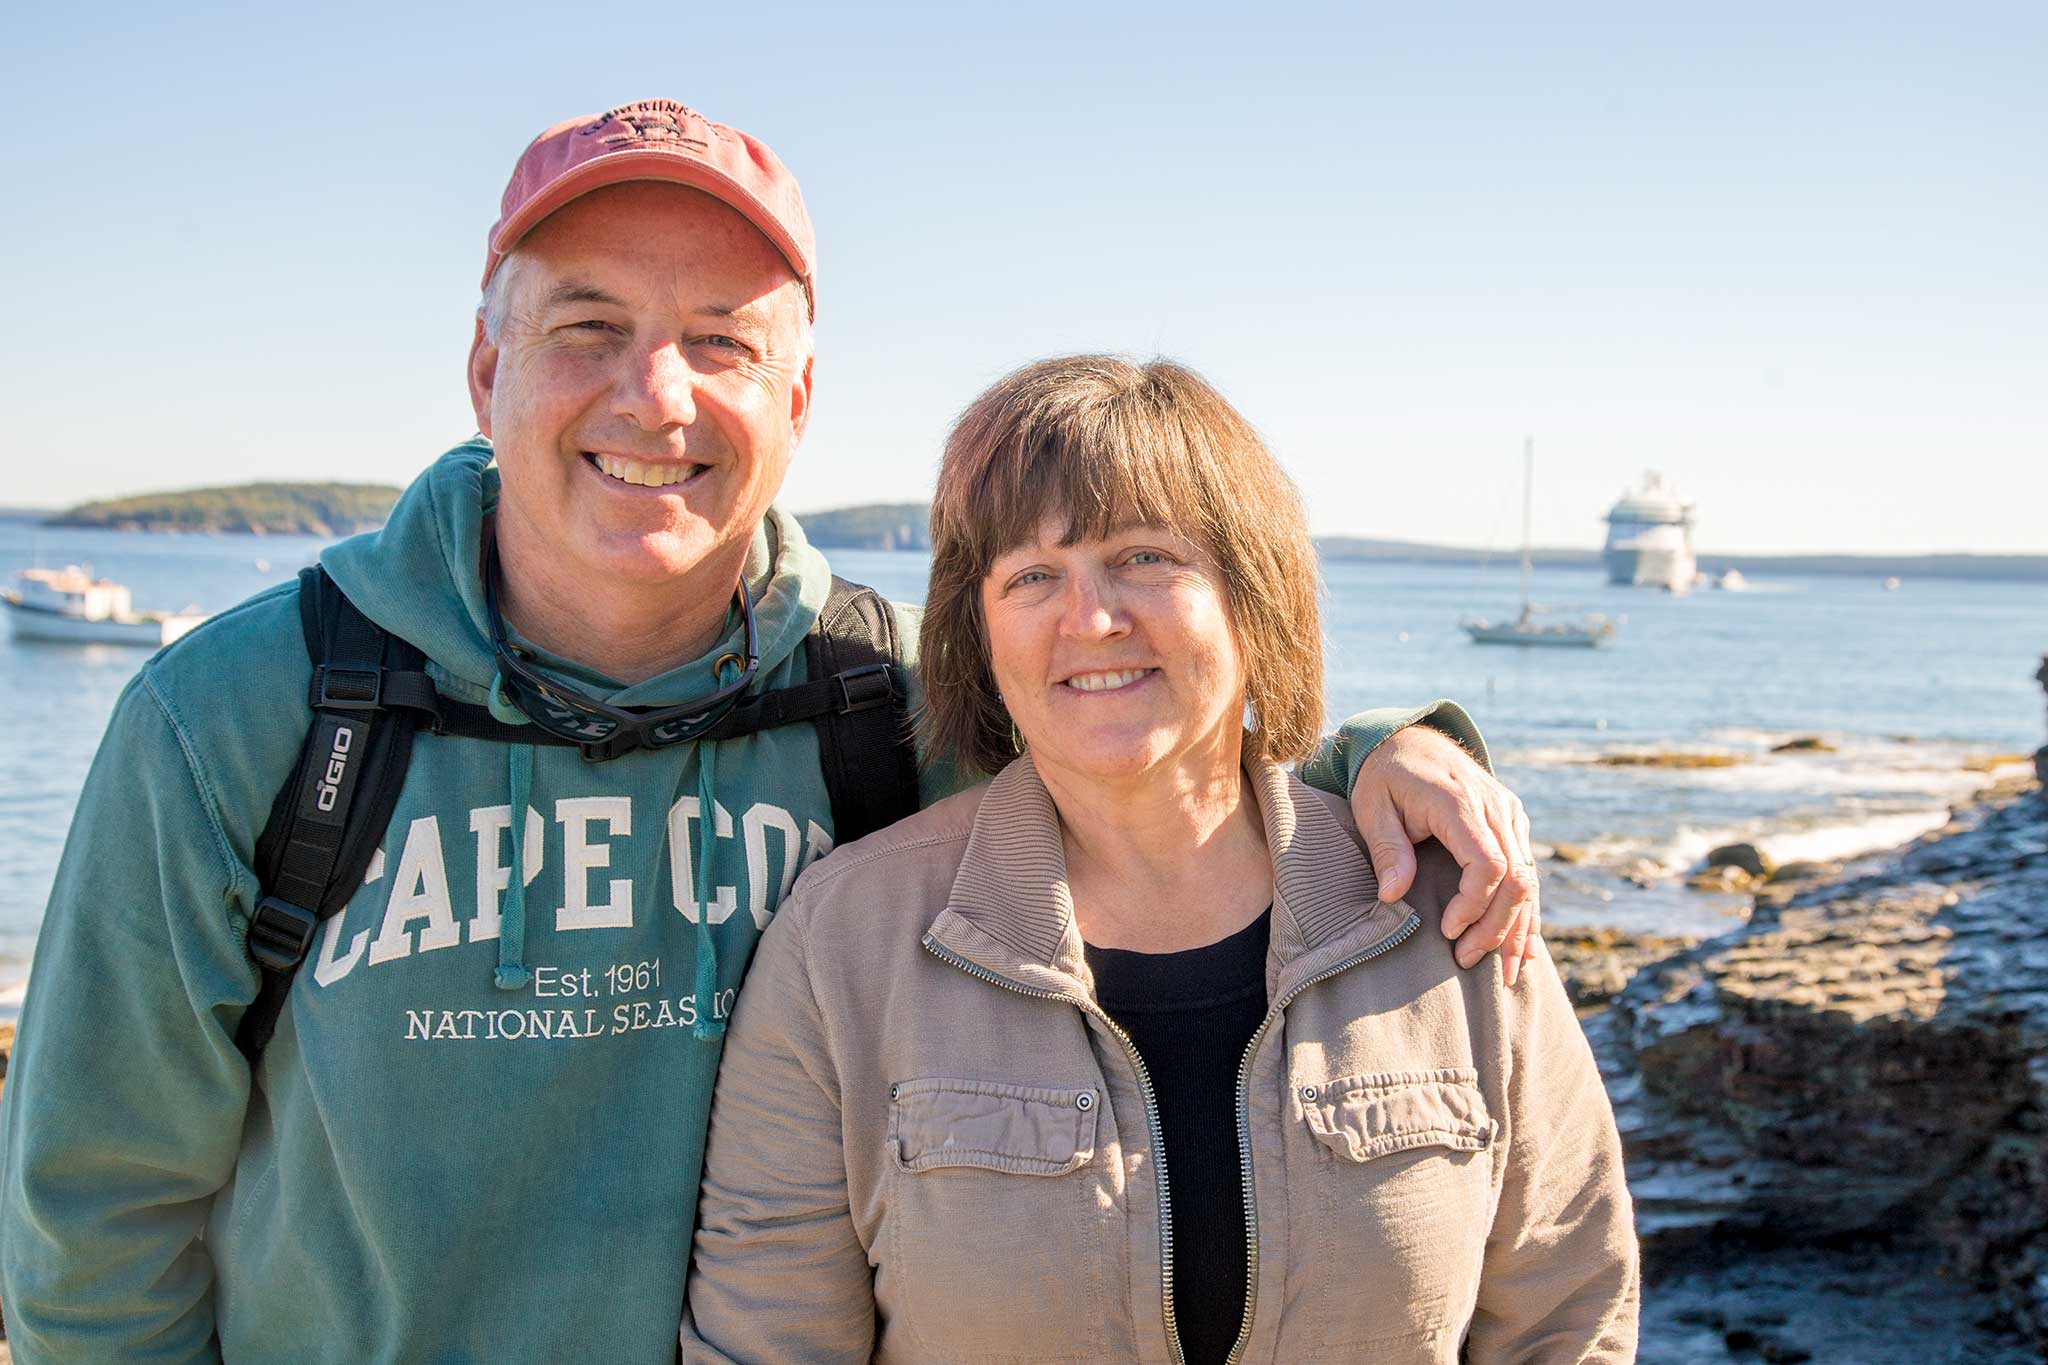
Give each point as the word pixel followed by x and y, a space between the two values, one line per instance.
pixel 906 869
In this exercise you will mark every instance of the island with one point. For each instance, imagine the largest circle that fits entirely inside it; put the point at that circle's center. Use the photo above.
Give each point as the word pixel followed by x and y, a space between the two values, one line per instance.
pixel 312 509
pixel 874 526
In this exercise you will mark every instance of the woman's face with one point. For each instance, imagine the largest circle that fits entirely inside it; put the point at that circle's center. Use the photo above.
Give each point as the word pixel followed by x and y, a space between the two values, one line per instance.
pixel 1115 656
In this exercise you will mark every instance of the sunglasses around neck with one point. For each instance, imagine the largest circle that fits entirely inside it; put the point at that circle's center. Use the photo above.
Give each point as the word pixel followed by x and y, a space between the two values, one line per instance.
pixel 603 731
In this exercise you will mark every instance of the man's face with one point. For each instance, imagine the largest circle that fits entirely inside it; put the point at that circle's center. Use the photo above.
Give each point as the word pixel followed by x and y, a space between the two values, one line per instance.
pixel 648 381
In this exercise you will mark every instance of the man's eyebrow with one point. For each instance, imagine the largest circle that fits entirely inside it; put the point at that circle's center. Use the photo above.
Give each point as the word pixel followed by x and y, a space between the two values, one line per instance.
pixel 753 310
pixel 572 291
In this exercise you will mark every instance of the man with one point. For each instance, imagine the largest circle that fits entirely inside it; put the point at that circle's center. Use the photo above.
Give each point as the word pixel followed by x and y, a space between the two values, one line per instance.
pixel 478 1130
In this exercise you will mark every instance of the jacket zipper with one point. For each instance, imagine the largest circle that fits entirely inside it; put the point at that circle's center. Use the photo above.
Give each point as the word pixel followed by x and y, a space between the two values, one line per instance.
pixel 1244 1123
pixel 1152 1125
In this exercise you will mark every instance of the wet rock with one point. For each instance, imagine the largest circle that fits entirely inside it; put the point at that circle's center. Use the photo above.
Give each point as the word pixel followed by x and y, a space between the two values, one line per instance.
pixel 1643 872
pixel 1748 857
pixel 1597 963
pixel 1868 1054
pixel 1991 763
pixel 1726 877
pixel 1797 871
pixel 1667 760
pixel 1568 853
pixel 1742 1302
pixel 1805 744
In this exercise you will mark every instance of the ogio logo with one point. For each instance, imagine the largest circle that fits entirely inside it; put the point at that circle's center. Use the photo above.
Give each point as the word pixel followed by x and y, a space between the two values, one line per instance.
pixel 328 790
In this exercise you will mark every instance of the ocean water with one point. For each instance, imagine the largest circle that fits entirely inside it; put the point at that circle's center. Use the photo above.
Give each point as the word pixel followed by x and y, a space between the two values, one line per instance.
pixel 1909 686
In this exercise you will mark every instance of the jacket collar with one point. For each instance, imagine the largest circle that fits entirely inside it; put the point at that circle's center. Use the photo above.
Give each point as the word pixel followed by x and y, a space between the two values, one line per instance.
pixel 1011 912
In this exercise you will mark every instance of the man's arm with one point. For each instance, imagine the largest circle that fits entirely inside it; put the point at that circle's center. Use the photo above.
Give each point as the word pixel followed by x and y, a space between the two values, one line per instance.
pixel 1410 776
pixel 1421 774
pixel 125 1098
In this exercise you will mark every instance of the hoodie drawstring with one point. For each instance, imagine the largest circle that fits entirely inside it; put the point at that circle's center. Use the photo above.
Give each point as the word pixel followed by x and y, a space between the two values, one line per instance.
pixel 708 1028
pixel 512 974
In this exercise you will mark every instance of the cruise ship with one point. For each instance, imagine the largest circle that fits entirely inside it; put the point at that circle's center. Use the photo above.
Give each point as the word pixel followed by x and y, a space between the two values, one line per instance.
pixel 1649 539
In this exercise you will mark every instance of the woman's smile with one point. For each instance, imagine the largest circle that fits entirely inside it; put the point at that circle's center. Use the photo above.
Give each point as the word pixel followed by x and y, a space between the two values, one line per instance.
pixel 1118 681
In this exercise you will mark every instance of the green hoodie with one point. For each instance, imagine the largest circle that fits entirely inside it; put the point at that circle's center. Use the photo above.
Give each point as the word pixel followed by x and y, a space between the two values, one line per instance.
pixel 478 1132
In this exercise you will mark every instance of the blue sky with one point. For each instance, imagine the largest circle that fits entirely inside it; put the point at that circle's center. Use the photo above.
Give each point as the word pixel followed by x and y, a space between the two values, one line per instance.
pixel 1790 255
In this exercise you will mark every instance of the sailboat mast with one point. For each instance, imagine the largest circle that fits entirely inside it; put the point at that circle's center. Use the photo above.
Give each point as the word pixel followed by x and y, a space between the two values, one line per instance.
pixel 1528 497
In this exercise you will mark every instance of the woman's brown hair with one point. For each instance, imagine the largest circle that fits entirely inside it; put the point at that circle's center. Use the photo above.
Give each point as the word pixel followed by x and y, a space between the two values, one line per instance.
pixel 1108 443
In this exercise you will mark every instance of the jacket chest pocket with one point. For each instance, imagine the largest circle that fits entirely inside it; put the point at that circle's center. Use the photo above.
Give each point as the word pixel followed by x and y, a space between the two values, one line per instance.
pixel 1404 1167
pixel 998 1231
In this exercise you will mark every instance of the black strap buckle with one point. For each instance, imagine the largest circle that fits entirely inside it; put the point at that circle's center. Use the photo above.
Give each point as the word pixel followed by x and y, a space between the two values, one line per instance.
pixel 347 689
pixel 863 688
pixel 280 933
pixel 605 750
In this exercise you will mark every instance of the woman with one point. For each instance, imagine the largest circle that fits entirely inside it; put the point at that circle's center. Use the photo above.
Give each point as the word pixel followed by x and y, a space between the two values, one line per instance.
pixel 970 1044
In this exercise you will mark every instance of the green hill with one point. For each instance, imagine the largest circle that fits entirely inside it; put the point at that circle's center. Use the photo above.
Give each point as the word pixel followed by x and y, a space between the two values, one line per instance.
pixel 876 526
pixel 314 509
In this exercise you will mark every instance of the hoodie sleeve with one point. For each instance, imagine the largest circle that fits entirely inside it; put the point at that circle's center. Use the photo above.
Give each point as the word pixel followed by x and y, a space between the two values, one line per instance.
pixel 1561 1280
pixel 1334 765
pixel 124 1103
pixel 779 1273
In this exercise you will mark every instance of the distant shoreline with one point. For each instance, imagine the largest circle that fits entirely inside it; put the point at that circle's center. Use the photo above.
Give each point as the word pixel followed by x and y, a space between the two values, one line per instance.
pixel 901 528
pixel 2001 568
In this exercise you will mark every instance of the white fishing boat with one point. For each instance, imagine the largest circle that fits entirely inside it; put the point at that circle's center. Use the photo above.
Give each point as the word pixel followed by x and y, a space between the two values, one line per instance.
pixel 1529 630
pixel 71 605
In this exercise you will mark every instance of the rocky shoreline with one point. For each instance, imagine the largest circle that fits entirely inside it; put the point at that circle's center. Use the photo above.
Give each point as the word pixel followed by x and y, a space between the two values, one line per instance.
pixel 1836 1116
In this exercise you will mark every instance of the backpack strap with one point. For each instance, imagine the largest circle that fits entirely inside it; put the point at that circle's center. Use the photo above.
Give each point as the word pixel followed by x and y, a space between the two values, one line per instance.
pixel 857 697
pixel 865 750
pixel 369 694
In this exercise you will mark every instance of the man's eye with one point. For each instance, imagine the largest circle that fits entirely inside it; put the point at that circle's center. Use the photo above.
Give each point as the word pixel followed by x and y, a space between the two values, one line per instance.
pixel 724 343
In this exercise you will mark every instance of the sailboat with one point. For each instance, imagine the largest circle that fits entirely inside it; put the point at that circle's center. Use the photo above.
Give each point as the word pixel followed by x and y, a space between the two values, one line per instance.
pixel 1527 630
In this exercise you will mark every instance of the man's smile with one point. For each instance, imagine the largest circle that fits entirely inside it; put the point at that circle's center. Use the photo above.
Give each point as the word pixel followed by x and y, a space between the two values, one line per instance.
pixel 642 473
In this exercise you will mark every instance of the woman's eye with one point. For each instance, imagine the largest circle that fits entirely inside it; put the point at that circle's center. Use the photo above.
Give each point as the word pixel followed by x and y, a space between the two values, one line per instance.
pixel 1147 557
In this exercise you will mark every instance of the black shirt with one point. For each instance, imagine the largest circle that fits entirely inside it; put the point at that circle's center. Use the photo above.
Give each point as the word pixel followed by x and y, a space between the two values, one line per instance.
pixel 1191 1015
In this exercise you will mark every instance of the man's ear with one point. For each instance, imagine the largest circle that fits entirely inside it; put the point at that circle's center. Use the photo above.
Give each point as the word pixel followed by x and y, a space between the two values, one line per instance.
pixel 483 375
pixel 800 402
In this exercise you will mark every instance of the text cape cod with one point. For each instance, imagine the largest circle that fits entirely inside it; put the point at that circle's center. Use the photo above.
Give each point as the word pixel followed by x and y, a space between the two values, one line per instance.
pixel 417 913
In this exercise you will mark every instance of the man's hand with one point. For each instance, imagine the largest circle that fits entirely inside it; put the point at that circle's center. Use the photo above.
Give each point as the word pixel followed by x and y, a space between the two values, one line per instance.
pixel 1418 784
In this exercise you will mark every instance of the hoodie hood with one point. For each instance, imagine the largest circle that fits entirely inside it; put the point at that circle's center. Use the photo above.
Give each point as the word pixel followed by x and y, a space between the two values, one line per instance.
pixel 421 578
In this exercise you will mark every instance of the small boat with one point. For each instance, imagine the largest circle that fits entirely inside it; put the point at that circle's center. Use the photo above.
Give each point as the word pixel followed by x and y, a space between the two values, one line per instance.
pixel 1527 630
pixel 1731 580
pixel 71 605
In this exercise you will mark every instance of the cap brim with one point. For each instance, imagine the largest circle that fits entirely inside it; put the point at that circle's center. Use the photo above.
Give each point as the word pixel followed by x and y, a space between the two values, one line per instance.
pixel 671 167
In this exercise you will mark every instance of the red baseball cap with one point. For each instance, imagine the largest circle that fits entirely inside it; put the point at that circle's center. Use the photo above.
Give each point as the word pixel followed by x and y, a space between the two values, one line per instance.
pixel 657 140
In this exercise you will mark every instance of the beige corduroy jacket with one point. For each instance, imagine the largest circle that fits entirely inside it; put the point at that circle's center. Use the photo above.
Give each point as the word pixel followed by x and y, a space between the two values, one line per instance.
pixel 930 1144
